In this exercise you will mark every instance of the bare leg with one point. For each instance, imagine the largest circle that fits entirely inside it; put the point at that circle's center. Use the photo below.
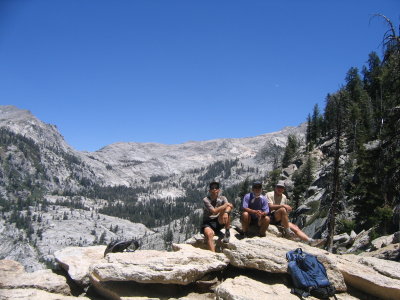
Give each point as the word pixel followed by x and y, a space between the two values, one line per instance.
pixel 263 223
pixel 225 220
pixel 298 232
pixel 281 215
pixel 245 221
pixel 209 236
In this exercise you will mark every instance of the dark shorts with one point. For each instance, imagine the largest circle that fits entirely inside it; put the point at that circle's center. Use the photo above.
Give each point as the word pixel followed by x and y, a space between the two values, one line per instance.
pixel 272 219
pixel 253 220
pixel 213 224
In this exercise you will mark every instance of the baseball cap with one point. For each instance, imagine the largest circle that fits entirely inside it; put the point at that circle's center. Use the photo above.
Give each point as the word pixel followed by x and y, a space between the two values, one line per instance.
pixel 281 183
pixel 257 184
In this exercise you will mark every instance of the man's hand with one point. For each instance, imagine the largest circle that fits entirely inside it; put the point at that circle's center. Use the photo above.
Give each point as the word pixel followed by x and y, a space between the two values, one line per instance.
pixel 228 207
pixel 287 207
pixel 259 213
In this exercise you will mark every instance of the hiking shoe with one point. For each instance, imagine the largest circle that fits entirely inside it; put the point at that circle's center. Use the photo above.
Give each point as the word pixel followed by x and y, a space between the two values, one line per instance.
pixel 226 236
pixel 244 235
pixel 288 233
pixel 319 243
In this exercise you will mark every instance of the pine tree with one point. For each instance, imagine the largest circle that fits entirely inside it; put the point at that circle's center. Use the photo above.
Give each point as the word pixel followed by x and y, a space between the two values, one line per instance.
pixel 102 238
pixel 309 142
pixel 290 151
pixel 302 179
pixel 373 85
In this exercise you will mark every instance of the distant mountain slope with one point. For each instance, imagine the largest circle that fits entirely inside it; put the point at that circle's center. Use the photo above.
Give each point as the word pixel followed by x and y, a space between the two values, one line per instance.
pixel 132 163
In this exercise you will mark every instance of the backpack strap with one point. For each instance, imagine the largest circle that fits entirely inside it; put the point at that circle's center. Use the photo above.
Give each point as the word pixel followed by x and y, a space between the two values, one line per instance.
pixel 299 292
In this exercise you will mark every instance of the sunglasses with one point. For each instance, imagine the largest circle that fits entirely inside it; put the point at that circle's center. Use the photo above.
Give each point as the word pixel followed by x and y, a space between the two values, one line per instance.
pixel 214 188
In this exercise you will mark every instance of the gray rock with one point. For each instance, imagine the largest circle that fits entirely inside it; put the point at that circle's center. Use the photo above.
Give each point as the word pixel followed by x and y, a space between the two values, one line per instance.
pixel 390 252
pixel 289 171
pixel 396 237
pixel 184 266
pixel 302 209
pixel 269 254
pixel 341 238
pixel 33 294
pixel 361 241
pixel 371 275
pixel 382 241
pixel 77 260
pixel 244 288
pixel 13 276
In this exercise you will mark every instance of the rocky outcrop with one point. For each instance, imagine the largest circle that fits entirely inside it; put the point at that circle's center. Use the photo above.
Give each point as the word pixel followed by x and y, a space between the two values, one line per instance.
pixel 389 252
pixel 382 241
pixel 269 254
pixel 374 276
pixel 77 260
pixel 15 283
pixel 250 268
pixel 184 266
pixel 245 288
pixel 242 287
pixel 361 241
pixel 33 294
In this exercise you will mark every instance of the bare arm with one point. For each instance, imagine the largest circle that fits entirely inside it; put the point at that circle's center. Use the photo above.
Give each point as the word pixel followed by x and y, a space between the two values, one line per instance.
pixel 278 206
pixel 226 207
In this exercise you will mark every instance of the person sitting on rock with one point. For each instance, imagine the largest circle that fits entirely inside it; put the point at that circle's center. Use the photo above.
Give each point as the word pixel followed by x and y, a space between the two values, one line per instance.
pixel 215 216
pixel 255 210
pixel 279 215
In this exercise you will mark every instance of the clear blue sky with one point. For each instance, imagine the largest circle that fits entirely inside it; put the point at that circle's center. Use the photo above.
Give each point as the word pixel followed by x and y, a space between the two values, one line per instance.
pixel 172 71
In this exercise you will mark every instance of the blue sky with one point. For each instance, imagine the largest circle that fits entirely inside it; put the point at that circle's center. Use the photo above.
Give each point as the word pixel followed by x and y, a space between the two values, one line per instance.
pixel 173 71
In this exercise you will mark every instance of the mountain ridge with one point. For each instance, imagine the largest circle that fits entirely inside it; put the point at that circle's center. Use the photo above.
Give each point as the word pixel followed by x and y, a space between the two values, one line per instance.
pixel 126 163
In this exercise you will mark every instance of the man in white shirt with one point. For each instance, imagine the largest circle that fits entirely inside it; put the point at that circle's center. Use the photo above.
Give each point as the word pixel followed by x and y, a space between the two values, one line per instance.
pixel 279 214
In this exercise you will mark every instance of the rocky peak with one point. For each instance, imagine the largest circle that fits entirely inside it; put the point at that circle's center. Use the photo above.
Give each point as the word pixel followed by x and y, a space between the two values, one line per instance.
pixel 23 122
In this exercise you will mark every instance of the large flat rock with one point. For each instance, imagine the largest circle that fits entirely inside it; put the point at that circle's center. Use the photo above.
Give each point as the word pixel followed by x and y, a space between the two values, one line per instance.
pixel 371 275
pixel 13 276
pixel 269 254
pixel 184 266
pixel 77 260
pixel 33 294
pixel 245 288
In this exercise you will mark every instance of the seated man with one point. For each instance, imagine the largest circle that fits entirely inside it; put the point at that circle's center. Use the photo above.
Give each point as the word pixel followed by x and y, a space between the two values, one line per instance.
pixel 255 210
pixel 215 216
pixel 280 214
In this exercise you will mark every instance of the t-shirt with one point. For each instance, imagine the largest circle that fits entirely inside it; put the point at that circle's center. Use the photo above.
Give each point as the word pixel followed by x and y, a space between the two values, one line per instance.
pixel 259 203
pixel 211 204
pixel 275 199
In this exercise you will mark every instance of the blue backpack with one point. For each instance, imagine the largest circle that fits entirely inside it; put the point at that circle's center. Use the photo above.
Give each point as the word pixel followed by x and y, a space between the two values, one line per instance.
pixel 308 275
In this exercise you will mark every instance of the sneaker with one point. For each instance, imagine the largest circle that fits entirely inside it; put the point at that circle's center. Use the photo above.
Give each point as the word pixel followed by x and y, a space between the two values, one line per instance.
pixel 226 236
pixel 319 243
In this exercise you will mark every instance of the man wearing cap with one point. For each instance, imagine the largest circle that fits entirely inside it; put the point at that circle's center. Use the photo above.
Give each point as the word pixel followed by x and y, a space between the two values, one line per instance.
pixel 215 215
pixel 255 210
pixel 279 214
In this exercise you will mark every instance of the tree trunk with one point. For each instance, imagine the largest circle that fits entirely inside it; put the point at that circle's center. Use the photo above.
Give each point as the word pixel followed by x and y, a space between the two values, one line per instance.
pixel 336 183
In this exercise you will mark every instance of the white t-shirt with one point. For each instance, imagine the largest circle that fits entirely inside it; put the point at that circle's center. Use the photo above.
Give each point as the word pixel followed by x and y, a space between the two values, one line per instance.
pixel 275 199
